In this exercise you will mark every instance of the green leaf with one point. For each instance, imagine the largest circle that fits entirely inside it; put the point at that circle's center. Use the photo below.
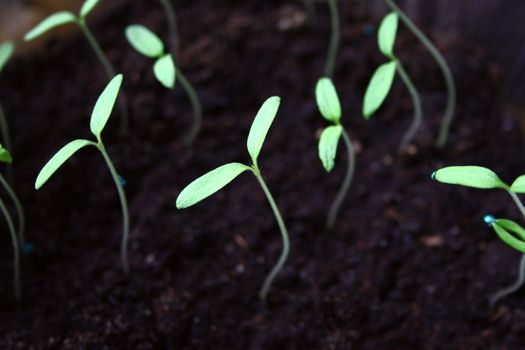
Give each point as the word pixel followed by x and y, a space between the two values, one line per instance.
pixel 507 237
pixel 328 145
pixel 386 35
pixel 378 88
pixel 5 156
pixel 55 20
pixel 6 51
pixel 512 226
pixel 164 70
pixel 470 176
pixel 104 106
pixel 87 7
pixel 518 185
pixel 58 159
pixel 260 126
pixel 327 100
pixel 209 183
pixel 144 41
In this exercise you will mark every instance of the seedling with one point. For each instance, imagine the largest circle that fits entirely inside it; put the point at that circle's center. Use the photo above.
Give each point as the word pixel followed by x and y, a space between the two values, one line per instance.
pixel 99 118
pixel 149 44
pixel 383 77
pixel 330 108
pixel 449 79
pixel 335 38
pixel 6 52
pixel 65 17
pixel 5 157
pixel 508 231
pixel 213 181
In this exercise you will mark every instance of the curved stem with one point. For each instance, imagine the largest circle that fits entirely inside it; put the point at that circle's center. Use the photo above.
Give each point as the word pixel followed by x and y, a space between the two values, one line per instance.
pixel 416 100
pixel 6 139
pixel 110 72
pixel 173 27
pixel 19 209
pixel 196 105
pixel 284 235
pixel 124 207
pixel 334 39
pixel 334 209
pixel 449 79
pixel 16 250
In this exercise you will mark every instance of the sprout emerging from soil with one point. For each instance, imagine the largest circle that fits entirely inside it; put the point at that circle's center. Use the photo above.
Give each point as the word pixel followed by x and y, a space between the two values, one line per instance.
pixel 330 108
pixel 5 157
pixel 382 79
pixel 508 231
pixel 99 118
pixel 149 44
pixel 6 52
pixel 215 180
pixel 449 79
pixel 65 17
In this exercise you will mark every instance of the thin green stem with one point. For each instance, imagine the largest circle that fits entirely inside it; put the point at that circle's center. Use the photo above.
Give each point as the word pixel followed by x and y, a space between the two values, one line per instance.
pixel 19 209
pixel 124 207
pixel 311 13
pixel 6 139
pixel 284 235
pixel 110 72
pixel 345 186
pixel 449 79
pixel 416 100
pixel 173 27
pixel 196 105
pixel 16 250
pixel 334 39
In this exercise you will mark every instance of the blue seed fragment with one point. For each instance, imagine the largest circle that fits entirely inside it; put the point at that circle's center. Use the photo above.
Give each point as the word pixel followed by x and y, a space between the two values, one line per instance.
pixel 433 176
pixel 489 219
pixel 122 180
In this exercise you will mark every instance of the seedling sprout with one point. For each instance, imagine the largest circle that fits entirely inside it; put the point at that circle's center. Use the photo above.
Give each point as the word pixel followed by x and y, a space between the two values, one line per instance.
pixel 215 180
pixel 330 108
pixel 99 118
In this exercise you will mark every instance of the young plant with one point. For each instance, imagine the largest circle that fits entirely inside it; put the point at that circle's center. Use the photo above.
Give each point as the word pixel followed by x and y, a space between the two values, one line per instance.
pixel 65 17
pixel 213 181
pixel 383 77
pixel 508 231
pixel 99 118
pixel 449 79
pixel 330 108
pixel 149 44
pixel 5 157
pixel 335 38
pixel 6 52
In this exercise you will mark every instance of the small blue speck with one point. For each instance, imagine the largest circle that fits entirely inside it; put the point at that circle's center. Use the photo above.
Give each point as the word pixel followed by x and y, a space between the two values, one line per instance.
pixel 122 180
pixel 28 248
pixel 433 176
pixel 369 30
pixel 489 219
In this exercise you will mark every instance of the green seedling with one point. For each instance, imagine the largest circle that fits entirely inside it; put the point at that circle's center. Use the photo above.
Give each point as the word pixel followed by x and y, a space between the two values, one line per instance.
pixel 508 231
pixel 65 17
pixel 382 79
pixel 6 52
pixel 99 118
pixel 215 180
pixel 5 157
pixel 149 44
pixel 335 39
pixel 330 108
pixel 448 116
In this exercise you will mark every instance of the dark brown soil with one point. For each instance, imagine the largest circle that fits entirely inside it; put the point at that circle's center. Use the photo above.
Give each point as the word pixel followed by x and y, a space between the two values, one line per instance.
pixel 410 265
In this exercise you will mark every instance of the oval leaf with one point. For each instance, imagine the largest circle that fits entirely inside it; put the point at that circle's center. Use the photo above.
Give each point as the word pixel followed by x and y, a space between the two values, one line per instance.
pixel 260 126
pixel 386 36
pixel 378 88
pixel 328 145
pixel 104 106
pixel 58 159
pixel 518 185
pixel 470 176
pixel 5 156
pixel 144 41
pixel 6 51
pixel 87 7
pixel 507 237
pixel 327 100
pixel 209 183
pixel 55 20
pixel 164 70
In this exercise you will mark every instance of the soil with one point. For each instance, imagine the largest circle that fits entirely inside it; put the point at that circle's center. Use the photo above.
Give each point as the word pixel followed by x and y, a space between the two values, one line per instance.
pixel 410 264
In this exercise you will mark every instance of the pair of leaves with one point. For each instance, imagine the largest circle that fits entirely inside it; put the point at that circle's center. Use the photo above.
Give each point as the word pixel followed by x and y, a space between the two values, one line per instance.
pixel 60 18
pixel 6 51
pixel 511 233
pixel 99 118
pixel 213 181
pixel 477 177
pixel 149 44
